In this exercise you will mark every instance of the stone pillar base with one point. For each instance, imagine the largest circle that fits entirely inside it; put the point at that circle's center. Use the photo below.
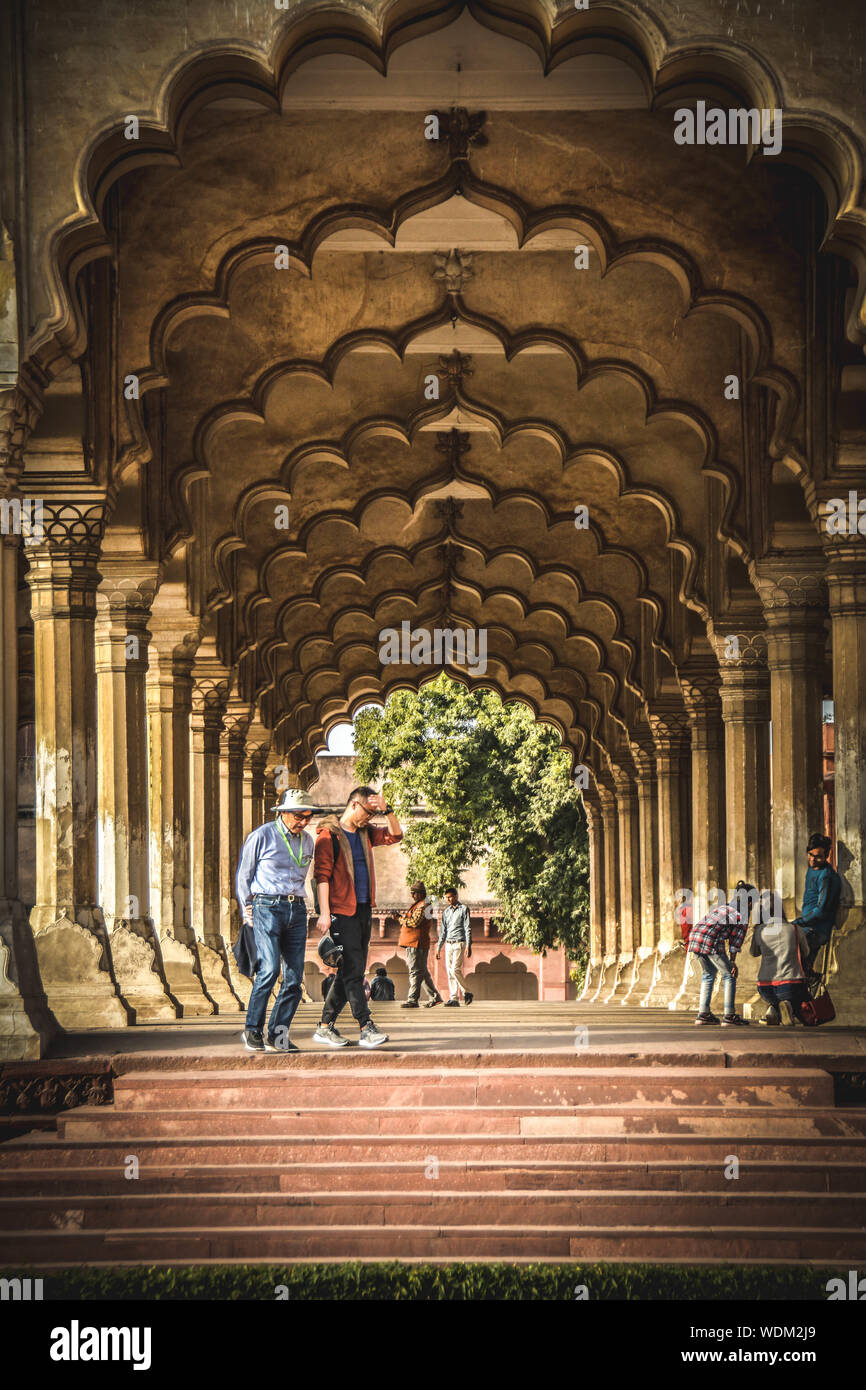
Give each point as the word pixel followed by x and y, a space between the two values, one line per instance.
pixel 624 980
pixel 183 977
pixel 214 974
pixel 73 964
pixel 845 969
pixel 688 996
pixel 606 980
pixel 642 977
pixel 137 971
pixel 27 1025
pixel 590 981
pixel 667 977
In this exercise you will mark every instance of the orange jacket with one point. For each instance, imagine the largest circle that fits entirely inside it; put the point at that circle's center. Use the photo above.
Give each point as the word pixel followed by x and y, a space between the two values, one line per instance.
pixel 341 874
pixel 415 927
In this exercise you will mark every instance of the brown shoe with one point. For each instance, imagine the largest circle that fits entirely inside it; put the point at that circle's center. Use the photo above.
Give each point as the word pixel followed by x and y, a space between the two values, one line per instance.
pixel 431 1003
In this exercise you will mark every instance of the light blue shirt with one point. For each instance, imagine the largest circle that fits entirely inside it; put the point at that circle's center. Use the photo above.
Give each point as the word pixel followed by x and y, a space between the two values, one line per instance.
pixel 267 866
pixel 455 926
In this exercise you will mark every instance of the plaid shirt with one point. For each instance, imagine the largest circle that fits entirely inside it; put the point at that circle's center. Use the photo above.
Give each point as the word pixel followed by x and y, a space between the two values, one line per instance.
pixel 721 925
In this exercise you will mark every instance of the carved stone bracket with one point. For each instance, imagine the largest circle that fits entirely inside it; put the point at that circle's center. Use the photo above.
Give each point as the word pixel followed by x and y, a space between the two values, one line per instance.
pixel 19 413
pixel 454 268
pixel 462 130
pixel 456 366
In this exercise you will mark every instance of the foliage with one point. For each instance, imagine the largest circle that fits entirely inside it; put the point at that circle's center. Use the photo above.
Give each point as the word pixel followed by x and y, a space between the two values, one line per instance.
pixel 450 1282
pixel 498 788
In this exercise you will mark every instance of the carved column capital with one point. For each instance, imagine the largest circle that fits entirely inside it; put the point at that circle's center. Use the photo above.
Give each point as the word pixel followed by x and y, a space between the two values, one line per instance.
pixel 702 698
pixel 670 729
pixel 126 592
pixel 236 721
pixel 782 587
pixel 846 579
pixel 63 551
pixel 209 696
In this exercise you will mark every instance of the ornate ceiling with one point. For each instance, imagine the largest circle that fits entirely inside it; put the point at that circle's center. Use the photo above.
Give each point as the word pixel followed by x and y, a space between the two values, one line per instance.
pixel 294 263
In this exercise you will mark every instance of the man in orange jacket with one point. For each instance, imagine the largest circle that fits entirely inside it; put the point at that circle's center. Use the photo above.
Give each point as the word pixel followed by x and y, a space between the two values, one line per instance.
pixel 415 938
pixel 346 880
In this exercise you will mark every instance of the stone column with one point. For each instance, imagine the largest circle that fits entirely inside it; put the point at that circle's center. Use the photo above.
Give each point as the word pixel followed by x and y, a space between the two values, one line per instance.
pixel 647 802
pixel 704 706
pixel 746 713
pixel 607 799
pixel 795 609
pixel 256 749
pixel 123 605
pixel 236 721
pixel 670 731
pixel 595 827
pixel 628 837
pixel 26 1023
pixel 209 696
pixel 846 582
pixel 232 738
pixel 169 707
pixel 71 941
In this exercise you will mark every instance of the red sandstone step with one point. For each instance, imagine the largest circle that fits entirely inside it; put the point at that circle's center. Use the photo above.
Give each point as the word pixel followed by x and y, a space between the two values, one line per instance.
pixel 467 1174
pixel 261 1244
pixel 209 1211
pixel 352 1060
pixel 387 1087
pixel 36 1152
pixel 96 1122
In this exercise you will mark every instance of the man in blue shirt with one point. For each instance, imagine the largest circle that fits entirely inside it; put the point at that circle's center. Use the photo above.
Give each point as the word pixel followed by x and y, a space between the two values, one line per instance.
pixel 455 932
pixel 820 896
pixel 271 889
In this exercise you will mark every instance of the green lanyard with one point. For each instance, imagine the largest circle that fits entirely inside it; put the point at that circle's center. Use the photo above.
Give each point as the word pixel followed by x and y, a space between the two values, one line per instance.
pixel 300 855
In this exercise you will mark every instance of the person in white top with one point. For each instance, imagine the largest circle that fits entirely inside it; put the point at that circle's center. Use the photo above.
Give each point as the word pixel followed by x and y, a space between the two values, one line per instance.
pixel 784 951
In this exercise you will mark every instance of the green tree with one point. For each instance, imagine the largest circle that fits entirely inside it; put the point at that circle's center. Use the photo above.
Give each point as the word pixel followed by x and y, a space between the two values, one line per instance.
pixel 497 788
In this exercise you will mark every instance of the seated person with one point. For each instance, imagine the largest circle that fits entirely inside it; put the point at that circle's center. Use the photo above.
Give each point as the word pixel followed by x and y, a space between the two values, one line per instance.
pixel 382 988
pixel 783 949
pixel 820 897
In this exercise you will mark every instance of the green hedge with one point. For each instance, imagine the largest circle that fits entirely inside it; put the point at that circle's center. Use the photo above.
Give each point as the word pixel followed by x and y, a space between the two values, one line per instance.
pixel 451 1282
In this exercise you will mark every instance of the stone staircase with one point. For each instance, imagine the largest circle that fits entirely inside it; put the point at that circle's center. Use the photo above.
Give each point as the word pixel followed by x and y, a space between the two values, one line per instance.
pixel 451 1155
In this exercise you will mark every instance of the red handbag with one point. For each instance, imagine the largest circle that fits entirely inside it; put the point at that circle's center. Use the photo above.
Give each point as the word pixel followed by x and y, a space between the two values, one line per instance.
pixel 818 1008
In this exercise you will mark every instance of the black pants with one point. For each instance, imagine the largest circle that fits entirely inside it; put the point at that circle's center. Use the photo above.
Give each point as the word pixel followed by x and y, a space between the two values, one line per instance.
pixel 353 934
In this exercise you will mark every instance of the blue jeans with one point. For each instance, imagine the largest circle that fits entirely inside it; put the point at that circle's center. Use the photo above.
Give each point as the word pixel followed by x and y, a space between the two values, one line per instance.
pixel 816 937
pixel 281 933
pixel 792 993
pixel 710 967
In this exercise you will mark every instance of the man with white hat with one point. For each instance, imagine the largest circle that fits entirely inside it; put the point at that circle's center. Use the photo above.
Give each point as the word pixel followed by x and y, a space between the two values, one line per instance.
pixel 271 889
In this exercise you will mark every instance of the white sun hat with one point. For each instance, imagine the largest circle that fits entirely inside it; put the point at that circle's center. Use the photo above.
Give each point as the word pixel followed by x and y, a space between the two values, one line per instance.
pixel 295 800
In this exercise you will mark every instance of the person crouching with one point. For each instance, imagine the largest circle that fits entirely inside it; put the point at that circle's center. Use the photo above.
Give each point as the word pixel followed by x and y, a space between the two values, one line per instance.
pixel 784 950
pixel 723 927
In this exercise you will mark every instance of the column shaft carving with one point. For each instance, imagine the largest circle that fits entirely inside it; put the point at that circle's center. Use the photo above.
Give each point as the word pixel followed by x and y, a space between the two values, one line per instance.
pixel 703 703
pixel 169 709
pixel 26 1024
pixel 71 942
pixel 209 697
pixel 595 829
pixel 795 609
pixel 122 637
pixel 671 737
pixel 846 581
pixel 745 696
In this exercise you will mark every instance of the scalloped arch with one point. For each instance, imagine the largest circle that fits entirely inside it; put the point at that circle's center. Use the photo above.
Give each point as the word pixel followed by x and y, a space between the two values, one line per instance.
pixel 821 143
